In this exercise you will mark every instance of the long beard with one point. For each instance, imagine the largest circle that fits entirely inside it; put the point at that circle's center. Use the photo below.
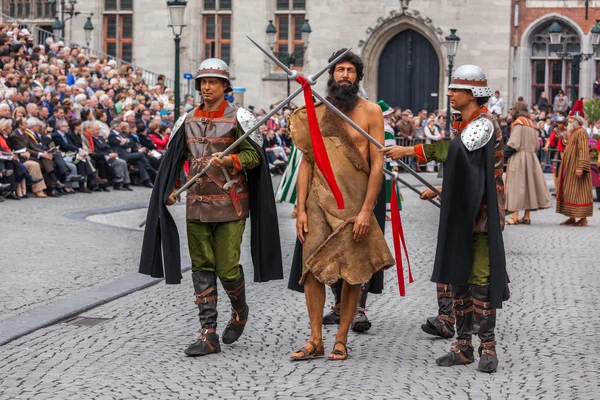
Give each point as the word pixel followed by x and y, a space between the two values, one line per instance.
pixel 571 127
pixel 345 98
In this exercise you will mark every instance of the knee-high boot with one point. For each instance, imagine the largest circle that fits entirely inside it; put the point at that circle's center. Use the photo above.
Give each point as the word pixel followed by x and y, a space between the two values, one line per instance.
pixel 488 359
pixel 205 290
pixel 361 323
pixel 333 317
pixel 443 324
pixel 236 291
pixel 461 351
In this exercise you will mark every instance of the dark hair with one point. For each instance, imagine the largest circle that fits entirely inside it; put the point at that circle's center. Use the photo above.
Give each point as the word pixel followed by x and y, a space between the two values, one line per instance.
pixel 482 101
pixel 73 123
pixel 353 59
pixel 519 109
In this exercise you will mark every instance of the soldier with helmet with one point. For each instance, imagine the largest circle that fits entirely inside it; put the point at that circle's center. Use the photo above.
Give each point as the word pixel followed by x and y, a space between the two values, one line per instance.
pixel 237 186
pixel 470 250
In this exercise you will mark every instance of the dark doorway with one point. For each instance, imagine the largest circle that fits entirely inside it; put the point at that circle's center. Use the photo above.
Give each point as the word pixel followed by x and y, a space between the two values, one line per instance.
pixel 409 73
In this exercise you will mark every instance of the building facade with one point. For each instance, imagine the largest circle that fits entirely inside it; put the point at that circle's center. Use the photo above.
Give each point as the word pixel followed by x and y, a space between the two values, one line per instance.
pixel 538 65
pixel 401 42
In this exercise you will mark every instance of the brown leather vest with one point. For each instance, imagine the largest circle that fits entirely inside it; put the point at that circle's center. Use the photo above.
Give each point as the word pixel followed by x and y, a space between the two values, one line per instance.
pixel 208 200
pixel 481 220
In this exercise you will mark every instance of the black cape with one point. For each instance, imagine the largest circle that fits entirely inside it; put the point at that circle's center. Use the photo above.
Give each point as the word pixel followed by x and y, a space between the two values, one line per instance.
pixel 161 250
pixel 376 282
pixel 467 175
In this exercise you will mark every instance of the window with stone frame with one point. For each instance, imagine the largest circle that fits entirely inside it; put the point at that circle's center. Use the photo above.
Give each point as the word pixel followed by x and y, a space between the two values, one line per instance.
pixel 289 18
pixel 550 72
pixel 216 20
pixel 19 9
pixel 118 29
pixel 44 9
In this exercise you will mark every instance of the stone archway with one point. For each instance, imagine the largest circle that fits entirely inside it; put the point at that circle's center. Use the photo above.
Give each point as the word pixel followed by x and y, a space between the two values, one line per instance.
pixel 384 31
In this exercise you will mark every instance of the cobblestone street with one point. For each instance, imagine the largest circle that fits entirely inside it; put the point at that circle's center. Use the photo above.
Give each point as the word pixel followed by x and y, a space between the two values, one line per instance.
pixel 545 332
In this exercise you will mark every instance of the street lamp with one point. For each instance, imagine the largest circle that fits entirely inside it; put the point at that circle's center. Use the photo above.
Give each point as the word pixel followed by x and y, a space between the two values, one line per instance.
pixel 575 58
pixel 71 11
pixel 88 27
pixel 287 58
pixel 57 28
pixel 555 32
pixel 596 34
pixel 177 23
pixel 271 34
pixel 451 44
pixel 451 49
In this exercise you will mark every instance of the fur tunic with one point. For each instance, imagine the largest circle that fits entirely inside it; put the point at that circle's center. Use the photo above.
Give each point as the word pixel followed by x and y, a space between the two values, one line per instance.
pixel 330 252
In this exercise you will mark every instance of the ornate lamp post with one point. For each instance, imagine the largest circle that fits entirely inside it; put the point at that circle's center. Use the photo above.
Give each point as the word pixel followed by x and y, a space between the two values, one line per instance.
pixel 176 22
pixel 451 49
pixel 451 44
pixel 70 11
pixel 88 27
pixel 287 58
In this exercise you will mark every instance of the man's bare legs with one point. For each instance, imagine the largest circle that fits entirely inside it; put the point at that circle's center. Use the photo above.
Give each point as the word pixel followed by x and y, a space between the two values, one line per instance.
pixel 314 292
pixel 350 295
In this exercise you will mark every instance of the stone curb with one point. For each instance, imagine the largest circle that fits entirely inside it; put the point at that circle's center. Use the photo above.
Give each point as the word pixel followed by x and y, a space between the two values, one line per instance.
pixel 65 308
pixel 75 304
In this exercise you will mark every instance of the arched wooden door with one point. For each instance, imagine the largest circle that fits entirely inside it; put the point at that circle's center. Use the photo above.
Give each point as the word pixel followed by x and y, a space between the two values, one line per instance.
pixel 409 73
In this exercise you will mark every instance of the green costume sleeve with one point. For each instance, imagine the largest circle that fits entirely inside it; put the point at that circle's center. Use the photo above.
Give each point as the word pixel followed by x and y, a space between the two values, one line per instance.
pixel 437 151
pixel 248 156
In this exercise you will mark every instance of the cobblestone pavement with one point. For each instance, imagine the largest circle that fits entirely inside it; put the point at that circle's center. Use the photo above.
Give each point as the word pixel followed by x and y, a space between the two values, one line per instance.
pixel 58 252
pixel 545 332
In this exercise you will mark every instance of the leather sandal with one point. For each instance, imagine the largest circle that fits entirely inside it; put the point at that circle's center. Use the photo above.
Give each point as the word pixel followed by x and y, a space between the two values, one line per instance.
pixel 524 221
pixel 337 352
pixel 581 222
pixel 511 221
pixel 570 221
pixel 308 354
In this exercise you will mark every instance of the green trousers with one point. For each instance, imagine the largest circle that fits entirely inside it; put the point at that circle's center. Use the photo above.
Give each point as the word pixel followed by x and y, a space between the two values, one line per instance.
pixel 216 247
pixel 480 272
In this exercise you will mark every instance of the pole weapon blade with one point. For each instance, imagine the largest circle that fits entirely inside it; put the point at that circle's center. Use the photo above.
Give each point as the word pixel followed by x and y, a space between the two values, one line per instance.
pixel 375 142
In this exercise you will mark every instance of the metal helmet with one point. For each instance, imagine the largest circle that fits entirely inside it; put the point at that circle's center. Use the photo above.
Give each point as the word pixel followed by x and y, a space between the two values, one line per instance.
pixel 212 67
pixel 471 77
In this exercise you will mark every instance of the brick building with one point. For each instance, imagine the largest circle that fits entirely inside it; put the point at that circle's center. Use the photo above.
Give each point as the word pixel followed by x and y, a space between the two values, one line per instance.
pixel 537 64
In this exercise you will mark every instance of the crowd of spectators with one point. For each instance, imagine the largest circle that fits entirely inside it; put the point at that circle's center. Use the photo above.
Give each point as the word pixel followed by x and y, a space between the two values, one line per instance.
pixel 72 122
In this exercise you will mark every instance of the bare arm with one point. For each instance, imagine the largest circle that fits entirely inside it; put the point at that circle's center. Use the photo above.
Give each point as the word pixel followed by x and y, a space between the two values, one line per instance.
pixel 304 174
pixel 363 220
pixel 375 177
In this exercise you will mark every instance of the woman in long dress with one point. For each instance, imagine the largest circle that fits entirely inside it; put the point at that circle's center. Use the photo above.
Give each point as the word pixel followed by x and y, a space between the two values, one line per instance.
pixel 525 185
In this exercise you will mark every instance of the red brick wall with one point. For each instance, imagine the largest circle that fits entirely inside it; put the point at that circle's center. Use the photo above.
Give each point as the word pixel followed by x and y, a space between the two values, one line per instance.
pixel 529 15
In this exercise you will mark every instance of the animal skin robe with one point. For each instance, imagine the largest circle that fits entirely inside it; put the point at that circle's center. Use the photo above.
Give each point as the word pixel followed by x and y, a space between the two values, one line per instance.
pixel 330 252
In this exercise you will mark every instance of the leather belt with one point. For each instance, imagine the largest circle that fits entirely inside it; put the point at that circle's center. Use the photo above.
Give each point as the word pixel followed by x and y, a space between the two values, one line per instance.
pixel 205 120
pixel 210 140
pixel 207 198
pixel 201 160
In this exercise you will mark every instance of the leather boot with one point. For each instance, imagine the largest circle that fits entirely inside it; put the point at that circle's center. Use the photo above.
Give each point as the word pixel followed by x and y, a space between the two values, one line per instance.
pixel 205 290
pixel 361 323
pixel 461 351
pixel 488 359
pixel 333 318
pixel 239 309
pixel 441 325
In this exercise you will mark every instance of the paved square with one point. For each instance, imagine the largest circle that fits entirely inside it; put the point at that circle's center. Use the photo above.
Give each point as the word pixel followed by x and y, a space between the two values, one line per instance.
pixel 546 332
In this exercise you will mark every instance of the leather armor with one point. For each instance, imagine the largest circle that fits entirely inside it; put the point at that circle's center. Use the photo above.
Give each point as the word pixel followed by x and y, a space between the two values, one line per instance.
pixel 210 199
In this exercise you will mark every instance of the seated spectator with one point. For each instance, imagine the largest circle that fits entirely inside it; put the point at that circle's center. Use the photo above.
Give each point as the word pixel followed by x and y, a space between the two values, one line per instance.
pixel 128 151
pixel 121 179
pixel 275 153
pixel 159 135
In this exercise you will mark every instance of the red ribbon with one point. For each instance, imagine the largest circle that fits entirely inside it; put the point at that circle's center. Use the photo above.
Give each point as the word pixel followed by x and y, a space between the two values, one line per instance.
pixel 398 236
pixel 320 153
